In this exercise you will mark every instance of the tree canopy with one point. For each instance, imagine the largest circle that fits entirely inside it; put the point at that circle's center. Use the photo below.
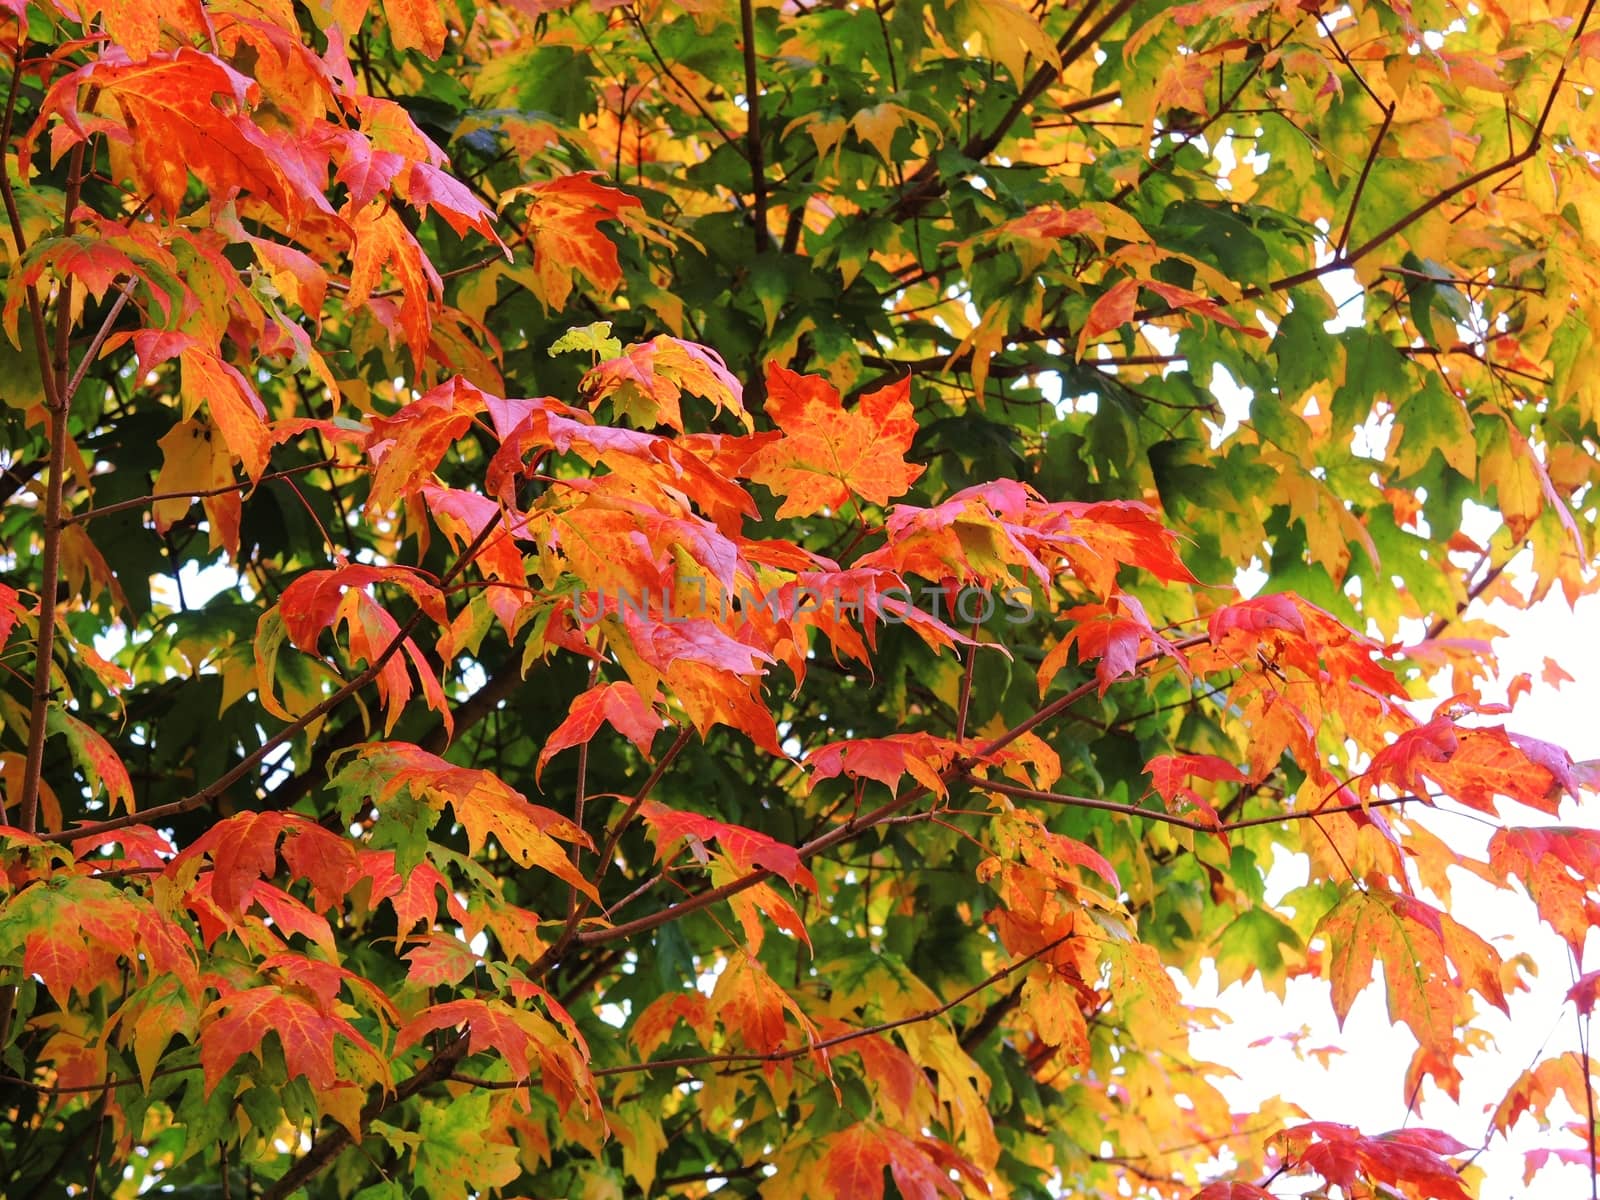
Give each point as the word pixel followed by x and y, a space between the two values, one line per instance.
pixel 642 599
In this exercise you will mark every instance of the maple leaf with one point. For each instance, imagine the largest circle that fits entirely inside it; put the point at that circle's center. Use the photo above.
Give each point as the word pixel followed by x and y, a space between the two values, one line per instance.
pixel 1112 310
pixel 1417 946
pixel 887 760
pixel 751 1006
pixel 521 1037
pixel 1407 1158
pixel 195 461
pixel 239 1023
pixel 1560 868
pixel 647 382
pixel 748 849
pixel 318 600
pixel 254 195
pixel 481 801
pixel 1170 773
pixel 854 1166
pixel 828 454
pixel 408 445
pixel 617 703
pixel 562 224
pixel 382 241
pixel 169 99
pixel 1539 1086
pixel 99 762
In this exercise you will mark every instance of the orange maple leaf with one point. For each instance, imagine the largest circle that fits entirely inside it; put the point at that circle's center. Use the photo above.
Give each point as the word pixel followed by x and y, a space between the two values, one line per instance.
pixel 564 229
pixel 828 454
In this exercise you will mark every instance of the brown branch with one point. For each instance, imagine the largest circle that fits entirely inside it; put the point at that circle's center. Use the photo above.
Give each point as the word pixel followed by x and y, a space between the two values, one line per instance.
pixel 1154 814
pixel 339 285
pixel 1185 136
pixel 753 148
pixel 499 686
pixel 335 1139
pixel 52 1089
pixel 632 14
pixel 927 183
pixel 52 374
pixel 792 1052
pixel 1404 222
pixel 105 510
pixel 617 830
pixel 580 904
pixel 1340 260
pixel 841 1039
pixel 1361 182
pixel 978 1032
pixel 1442 622
pixel 964 704
pixel 856 826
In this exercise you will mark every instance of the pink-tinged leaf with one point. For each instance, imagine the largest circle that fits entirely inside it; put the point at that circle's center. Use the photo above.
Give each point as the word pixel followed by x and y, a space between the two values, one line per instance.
pixel 920 1168
pixel 365 171
pixel 1170 772
pixel 748 849
pixel 311 602
pixel 427 186
pixel 663 643
pixel 141 846
pixel 1560 867
pixel 886 760
pixel 290 916
pixel 617 703
pixel 439 960
pixel 414 899
pixel 1256 616
pixel 1583 993
pixel 1409 1159
pixel 1538 1159
pixel 521 1038
pixel 1183 298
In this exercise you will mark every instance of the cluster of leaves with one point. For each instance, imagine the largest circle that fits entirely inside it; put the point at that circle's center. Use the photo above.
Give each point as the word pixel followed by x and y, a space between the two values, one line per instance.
pixel 783 440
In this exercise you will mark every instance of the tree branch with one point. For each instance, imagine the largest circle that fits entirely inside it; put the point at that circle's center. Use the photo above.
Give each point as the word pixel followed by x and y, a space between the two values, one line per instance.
pixel 249 763
pixel 335 1139
pixel 753 148
pixel 857 825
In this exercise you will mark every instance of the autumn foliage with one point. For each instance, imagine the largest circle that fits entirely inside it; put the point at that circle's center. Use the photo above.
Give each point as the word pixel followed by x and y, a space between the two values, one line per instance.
pixel 612 599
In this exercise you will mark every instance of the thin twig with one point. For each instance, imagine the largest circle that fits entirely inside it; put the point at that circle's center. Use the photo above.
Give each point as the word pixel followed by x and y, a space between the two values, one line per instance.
pixel 106 510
